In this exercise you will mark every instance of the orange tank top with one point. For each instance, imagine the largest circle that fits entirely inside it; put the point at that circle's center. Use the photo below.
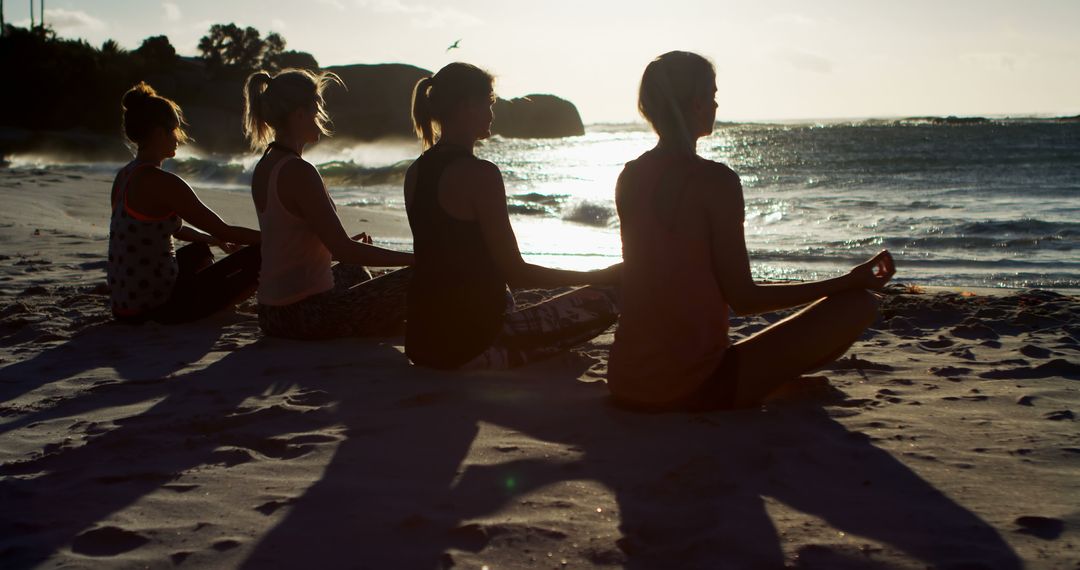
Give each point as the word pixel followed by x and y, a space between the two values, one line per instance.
pixel 673 322
pixel 295 263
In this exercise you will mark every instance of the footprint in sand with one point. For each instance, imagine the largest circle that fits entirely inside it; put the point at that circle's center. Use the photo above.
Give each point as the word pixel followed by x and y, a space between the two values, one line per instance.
pixel 311 398
pixel 107 541
pixel 1032 351
pixel 966 398
pixel 227 544
pixel 941 342
pixel 1055 367
pixel 963 353
pixel 974 332
pixel 230 457
pixel 1045 528
pixel 949 371
pixel 268 508
pixel 853 362
pixel 180 488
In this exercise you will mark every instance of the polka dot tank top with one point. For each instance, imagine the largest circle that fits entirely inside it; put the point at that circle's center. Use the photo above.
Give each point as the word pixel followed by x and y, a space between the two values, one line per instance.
pixel 142 264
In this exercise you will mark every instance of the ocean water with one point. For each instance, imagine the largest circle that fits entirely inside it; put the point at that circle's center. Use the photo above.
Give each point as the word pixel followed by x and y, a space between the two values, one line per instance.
pixel 988 204
pixel 993 204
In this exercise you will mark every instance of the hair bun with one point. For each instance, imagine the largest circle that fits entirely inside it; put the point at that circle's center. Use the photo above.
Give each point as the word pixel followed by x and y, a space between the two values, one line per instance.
pixel 138 96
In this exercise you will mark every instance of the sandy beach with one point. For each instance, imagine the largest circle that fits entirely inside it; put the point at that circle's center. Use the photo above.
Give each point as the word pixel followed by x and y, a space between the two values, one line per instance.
pixel 948 436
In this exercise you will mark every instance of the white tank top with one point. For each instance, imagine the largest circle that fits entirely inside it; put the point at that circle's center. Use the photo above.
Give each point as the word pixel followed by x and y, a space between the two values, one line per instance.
pixel 295 263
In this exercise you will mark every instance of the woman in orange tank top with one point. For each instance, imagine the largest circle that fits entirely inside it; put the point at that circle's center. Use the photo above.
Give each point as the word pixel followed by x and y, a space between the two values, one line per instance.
pixel 686 264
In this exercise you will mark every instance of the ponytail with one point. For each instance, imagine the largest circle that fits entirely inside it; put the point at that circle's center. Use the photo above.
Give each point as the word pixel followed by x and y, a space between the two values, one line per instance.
pixel 423 122
pixel 256 128
pixel 268 101
pixel 435 98
pixel 669 86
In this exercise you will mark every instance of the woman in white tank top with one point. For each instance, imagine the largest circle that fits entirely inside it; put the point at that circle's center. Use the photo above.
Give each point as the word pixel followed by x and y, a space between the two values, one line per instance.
pixel 301 293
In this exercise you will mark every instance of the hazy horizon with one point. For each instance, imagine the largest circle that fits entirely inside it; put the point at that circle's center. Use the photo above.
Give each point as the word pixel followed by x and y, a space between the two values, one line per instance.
pixel 779 60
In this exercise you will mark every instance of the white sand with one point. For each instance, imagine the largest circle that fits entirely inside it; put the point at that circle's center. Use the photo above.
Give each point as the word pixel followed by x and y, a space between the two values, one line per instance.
pixel 949 440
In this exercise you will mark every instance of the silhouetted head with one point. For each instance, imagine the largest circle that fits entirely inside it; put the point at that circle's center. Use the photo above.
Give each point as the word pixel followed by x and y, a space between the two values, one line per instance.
pixel 677 96
pixel 151 120
pixel 458 92
pixel 289 101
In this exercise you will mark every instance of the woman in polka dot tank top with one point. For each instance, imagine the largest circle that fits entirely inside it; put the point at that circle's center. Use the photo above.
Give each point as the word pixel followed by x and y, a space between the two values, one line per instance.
pixel 147 278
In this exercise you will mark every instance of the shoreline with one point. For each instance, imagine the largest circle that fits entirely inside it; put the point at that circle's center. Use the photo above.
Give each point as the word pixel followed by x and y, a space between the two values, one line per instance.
pixel 388 223
pixel 946 437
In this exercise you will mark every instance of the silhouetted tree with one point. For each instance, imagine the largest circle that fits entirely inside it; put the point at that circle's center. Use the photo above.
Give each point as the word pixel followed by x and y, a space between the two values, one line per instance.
pixel 156 52
pixel 76 87
pixel 111 48
pixel 297 59
pixel 232 50
pixel 65 75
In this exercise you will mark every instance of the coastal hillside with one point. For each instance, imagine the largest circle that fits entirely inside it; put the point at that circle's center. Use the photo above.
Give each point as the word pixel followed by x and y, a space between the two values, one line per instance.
pixel 73 108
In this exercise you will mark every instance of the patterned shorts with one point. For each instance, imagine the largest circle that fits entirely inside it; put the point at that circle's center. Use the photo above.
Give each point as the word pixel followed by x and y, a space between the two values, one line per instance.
pixel 549 327
pixel 357 306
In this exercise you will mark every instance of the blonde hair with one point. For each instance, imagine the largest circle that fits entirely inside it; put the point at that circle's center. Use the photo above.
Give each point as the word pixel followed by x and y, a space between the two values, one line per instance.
pixel 145 110
pixel 268 101
pixel 670 85
pixel 437 97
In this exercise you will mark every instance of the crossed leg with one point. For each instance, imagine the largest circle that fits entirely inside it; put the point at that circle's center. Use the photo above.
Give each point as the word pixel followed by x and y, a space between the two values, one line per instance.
pixel 805 341
pixel 549 327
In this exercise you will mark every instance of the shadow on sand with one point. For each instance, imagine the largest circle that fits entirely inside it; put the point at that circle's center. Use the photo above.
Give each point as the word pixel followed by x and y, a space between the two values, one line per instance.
pixel 408 479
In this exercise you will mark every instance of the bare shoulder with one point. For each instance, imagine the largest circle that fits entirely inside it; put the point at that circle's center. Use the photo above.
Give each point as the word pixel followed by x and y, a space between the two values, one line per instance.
pixel 161 179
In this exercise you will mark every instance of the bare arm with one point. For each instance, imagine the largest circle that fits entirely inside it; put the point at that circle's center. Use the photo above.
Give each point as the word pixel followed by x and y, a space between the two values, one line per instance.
pixel 188 233
pixel 489 210
pixel 177 196
pixel 731 262
pixel 308 194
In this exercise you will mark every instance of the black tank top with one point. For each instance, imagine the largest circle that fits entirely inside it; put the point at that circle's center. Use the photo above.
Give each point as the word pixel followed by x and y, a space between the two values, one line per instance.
pixel 457 293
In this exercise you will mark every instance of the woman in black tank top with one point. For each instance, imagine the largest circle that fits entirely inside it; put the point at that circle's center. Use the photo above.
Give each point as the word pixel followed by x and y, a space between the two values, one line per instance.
pixel 460 314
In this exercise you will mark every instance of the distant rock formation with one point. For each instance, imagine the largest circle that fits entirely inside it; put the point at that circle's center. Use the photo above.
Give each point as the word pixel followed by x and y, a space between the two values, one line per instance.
pixel 537 116
pixel 950 120
pixel 377 103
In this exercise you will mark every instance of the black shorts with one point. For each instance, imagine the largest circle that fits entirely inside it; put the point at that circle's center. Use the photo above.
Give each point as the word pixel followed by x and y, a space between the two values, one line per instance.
pixel 716 393
pixel 203 286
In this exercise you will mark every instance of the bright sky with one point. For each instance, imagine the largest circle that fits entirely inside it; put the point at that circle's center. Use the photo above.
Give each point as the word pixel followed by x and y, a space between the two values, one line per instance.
pixel 777 59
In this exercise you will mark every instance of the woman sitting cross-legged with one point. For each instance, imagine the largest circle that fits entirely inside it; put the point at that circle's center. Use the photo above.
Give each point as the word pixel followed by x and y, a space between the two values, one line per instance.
pixel 685 263
pixel 460 312
pixel 302 294
pixel 148 280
